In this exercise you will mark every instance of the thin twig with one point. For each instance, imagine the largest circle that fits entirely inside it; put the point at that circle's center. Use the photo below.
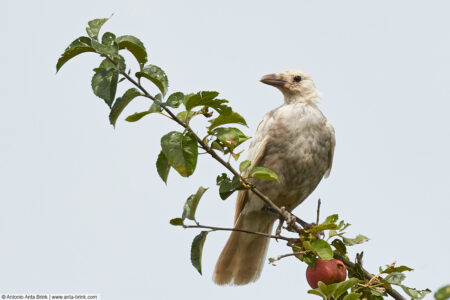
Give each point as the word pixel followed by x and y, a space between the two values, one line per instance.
pixel 318 210
pixel 393 293
pixel 287 255
pixel 241 230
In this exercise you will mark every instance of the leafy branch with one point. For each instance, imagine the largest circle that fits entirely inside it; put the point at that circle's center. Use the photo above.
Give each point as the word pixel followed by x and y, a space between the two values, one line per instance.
pixel 180 150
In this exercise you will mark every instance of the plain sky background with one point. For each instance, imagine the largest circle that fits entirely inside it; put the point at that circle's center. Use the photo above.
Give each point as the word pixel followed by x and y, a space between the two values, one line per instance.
pixel 82 208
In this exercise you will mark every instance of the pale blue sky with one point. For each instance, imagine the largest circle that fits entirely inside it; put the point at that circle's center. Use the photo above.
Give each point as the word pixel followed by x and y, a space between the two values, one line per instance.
pixel 82 208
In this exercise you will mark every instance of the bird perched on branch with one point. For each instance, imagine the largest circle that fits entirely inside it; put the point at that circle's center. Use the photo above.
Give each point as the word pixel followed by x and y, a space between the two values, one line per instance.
pixel 297 142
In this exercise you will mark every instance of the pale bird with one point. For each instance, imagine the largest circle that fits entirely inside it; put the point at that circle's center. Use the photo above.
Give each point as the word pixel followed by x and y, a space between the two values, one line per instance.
pixel 297 142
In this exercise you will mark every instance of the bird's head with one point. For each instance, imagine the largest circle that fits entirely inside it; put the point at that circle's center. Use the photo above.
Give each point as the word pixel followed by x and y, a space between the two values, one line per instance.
pixel 296 86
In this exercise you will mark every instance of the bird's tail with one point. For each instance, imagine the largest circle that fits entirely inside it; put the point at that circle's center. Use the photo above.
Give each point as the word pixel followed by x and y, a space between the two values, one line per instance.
pixel 242 258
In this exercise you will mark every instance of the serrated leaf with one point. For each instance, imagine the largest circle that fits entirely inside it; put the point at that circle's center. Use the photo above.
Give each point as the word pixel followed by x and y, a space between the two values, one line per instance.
pixel 352 296
pixel 340 246
pixel 443 293
pixel 415 294
pixel 134 45
pixel 162 166
pixel 156 75
pixel 357 240
pixel 207 98
pixel 326 289
pixel 263 173
pixel 104 84
pixel 318 293
pixel 181 151
pixel 390 269
pixel 329 223
pixel 137 116
pixel 185 115
pixel 343 286
pixel 197 250
pixel 176 222
pixel 231 118
pixel 244 165
pixel 110 50
pixel 107 64
pixel 175 99
pixel 191 204
pixel 230 137
pixel 228 186
pixel 94 27
pixel 121 103
pixel 323 249
pixel 108 39
pixel 78 46
pixel 395 278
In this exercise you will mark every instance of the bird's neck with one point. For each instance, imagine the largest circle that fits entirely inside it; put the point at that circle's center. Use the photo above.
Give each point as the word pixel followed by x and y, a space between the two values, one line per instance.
pixel 311 98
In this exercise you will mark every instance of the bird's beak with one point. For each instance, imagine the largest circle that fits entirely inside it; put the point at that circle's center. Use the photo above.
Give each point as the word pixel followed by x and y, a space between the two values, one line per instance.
pixel 274 80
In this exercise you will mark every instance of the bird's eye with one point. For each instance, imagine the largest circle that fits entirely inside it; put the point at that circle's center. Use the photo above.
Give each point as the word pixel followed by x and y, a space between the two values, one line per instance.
pixel 297 78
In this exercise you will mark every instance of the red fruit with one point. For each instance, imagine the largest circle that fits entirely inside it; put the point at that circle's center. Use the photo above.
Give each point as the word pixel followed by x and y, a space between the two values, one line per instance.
pixel 330 271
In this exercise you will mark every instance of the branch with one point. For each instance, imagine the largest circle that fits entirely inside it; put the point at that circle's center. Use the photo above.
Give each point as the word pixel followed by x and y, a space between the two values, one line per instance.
pixel 272 260
pixel 213 228
pixel 393 293
pixel 285 214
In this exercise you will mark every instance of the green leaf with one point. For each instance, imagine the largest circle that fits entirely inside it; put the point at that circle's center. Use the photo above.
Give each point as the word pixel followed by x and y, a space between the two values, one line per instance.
pixel 154 108
pixel 107 64
pixel 108 39
pixel 340 246
pixel 329 223
pixel 104 84
pixel 121 103
pixel 244 165
pixel 177 222
pixel 377 293
pixel 318 293
pixel 395 278
pixel 323 249
pixel 357 240
pixel 191 204
pixel 263 173
pixel 443 293
pixel 390 269
pixel 80 45
pixel 230 137
pixel 110 50
pixel 156 75
pixel 94 27
pixel 232 118
pixel 326 289
pixel 352 296
pixel 134 45
pixel 197 250
pixel 137 116
pixel 207 98
pixel 163 166
pixel 415 294
pixel 343 286
pixel 185 115
pixel 228 186
pixel 181 151
pixel 175 100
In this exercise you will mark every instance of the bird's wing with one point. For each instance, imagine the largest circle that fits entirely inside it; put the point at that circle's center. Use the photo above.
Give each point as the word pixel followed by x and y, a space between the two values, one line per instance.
pixel 331 152
pixel 255 153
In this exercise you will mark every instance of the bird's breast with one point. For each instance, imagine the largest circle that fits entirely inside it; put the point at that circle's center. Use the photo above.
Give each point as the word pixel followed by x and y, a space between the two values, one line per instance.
pixel 297 150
